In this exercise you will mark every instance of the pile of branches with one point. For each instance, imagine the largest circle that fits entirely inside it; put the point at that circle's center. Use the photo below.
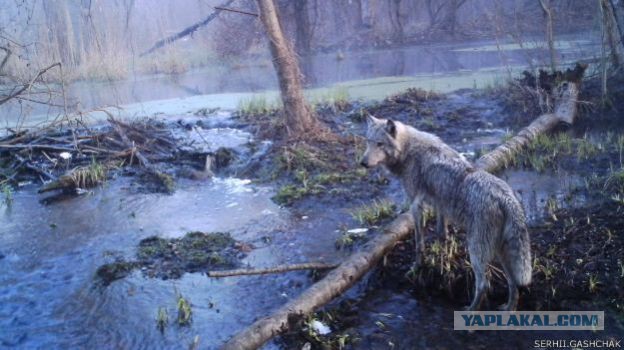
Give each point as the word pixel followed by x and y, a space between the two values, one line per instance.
pixel 74 158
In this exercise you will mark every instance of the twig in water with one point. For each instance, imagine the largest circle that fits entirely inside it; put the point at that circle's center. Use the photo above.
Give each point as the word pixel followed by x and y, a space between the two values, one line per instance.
pixel 276 269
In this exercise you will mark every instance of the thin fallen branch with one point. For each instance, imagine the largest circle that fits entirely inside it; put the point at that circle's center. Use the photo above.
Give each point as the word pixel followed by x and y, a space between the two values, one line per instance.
pixel 187 31
pixel 165 180
pixel 129 144
pixel 37 146
pixel 237 11
pixel 276 269
pixel 353 268
pixel 29 84
pixel 36 169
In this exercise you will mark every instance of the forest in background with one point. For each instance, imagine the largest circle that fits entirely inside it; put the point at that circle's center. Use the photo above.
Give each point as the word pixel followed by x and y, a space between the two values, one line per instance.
pixel 107 40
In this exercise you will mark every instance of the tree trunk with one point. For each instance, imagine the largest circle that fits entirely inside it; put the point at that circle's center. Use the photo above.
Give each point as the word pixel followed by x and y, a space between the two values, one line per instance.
pixel 433 12
pixel 303 31
pixel 548 15
pixel 610 27
pixel 396 20
pixel 450 20
pixel 358 264
pixel 300 121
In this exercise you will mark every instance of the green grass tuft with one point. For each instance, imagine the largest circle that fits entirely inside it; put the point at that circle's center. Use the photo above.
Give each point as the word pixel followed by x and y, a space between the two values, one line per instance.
pixel 374 213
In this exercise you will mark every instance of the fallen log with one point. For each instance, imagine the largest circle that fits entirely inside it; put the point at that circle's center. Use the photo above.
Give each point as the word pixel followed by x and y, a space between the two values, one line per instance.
pixel 275 269
pixel 357 265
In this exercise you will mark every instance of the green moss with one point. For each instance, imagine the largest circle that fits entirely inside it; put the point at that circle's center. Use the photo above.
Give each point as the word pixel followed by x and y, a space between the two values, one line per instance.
pixel 153 247
pixel 167 182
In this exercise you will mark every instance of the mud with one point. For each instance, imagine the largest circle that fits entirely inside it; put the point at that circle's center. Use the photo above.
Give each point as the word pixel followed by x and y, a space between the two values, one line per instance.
pixel 170 258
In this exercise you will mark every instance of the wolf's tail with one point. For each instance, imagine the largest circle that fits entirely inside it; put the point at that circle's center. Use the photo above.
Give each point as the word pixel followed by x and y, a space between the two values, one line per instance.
pixel 516 244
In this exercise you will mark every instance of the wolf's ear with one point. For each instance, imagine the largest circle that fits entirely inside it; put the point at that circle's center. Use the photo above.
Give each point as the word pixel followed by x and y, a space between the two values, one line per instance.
pixel 371 120
pixel 391 128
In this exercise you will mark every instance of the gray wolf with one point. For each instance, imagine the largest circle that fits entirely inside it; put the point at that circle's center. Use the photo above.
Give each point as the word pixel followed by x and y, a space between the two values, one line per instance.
pixel 432 172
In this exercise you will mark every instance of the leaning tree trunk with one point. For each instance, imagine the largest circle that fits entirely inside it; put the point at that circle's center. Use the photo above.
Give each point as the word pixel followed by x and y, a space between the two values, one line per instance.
pixel 358 264
pixel 300 120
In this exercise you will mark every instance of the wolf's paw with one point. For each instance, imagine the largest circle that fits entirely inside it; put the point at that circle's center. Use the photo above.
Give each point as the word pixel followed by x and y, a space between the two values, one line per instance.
pixel 507 307
pixel 470 308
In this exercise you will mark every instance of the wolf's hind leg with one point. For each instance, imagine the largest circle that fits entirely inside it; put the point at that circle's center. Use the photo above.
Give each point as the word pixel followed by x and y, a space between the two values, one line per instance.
pixel 419 242
pixel 479 260
pixel 512 301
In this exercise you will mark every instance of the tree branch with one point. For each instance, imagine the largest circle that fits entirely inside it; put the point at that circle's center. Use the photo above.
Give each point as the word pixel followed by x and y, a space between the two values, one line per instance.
pixel 187 31
pixel 276 269
pixel 29 84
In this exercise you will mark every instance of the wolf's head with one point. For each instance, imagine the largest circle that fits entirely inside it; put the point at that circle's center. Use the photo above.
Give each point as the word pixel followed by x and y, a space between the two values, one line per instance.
pixel 382 142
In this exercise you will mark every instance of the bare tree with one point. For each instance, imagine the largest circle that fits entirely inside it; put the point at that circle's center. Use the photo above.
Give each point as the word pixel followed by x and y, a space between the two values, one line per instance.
pixel 433 10
pixel 303 30
pixel 548 15
pixel 450 20
pixel 396 20
pixel 300 120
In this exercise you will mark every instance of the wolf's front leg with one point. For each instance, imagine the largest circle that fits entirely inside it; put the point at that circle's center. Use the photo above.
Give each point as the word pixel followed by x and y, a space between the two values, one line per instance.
pixel 419 242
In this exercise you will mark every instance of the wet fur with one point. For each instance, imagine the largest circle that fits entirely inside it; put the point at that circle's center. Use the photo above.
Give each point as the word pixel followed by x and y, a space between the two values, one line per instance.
pixel 432 172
